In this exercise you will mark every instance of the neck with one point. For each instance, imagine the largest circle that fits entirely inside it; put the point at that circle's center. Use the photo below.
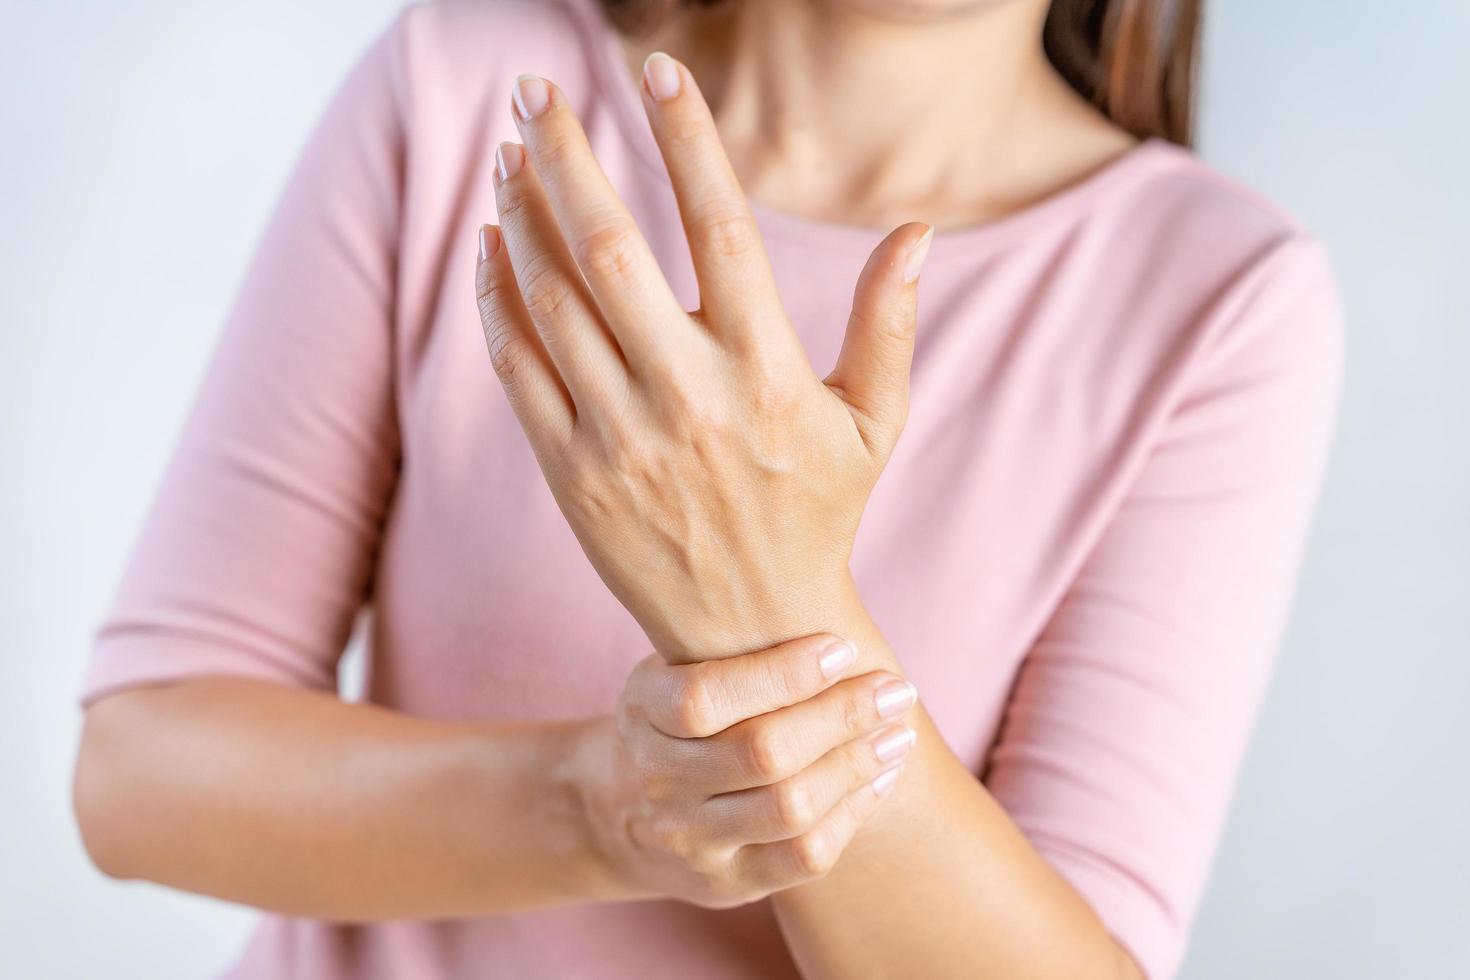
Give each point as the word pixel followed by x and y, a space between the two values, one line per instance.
pixel 877 117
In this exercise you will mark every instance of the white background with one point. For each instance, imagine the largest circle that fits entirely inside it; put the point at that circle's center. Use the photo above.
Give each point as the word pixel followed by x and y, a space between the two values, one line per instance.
pixel 142 145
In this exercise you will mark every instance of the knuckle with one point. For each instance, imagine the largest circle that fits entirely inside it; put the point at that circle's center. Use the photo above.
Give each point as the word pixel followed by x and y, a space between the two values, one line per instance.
pixel 674 838
pixel 687 133
pixel 766 753
pixel 557 143
pixel 690 401
pixel 625 450
pixel 773 396
pixel 895 328
pixel 711 872
pixel 547 294
pixel 813 855
pixel 860 760
pixel 680 392
pixel 486 282
pixel 690 419
pixel 695 713
pixel 591 494
pixel 508 351
pixel 728 232
pixel 508 357
pixel 494 295
pixel 514 210
pixel 792 806
pixel 610 253
pixel 786 679
pixel 769 385
pixel 858 713
pixel 652 783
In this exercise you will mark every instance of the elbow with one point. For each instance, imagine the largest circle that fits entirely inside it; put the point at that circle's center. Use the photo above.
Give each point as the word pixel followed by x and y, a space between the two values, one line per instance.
pixel 97 801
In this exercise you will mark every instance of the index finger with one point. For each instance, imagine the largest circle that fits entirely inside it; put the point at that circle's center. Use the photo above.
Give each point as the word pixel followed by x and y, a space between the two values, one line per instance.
pixel 604 241
pixel 703 699
pixel 729 258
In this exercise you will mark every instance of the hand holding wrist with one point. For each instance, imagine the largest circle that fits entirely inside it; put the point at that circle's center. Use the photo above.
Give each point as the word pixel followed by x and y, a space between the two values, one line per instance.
pixel 721 782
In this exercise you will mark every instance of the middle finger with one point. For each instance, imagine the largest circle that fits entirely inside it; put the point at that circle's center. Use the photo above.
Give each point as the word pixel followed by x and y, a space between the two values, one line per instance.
pixel 566 319
pixel 772 747
pixel 605 242
pixel 795 805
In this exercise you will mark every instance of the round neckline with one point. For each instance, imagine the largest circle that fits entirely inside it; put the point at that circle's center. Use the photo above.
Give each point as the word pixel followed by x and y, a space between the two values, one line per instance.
pixel 609 64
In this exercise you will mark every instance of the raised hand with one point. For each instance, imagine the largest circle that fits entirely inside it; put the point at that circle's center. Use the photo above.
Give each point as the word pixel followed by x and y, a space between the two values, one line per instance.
pixel 715 482
pixel 719 783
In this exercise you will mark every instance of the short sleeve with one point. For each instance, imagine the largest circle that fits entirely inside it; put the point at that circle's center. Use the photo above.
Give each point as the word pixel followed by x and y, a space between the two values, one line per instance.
pixel 259 545
pixel 1126 729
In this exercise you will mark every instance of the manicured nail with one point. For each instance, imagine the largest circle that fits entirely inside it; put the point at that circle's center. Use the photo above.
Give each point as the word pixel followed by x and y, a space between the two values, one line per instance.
pixel 896 745
pixel 489 241
pixel 918 252
pixel 509 159
pixel 531 96
pixel 885 781
pixel 836 659
pixel 895 697
pixel 661 75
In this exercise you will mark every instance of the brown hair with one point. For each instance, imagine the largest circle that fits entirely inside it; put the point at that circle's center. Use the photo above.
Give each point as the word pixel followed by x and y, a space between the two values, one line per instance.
pixel 1133 59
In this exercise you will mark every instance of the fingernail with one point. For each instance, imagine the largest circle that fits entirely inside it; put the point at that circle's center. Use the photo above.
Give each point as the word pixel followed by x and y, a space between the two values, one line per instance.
pixel 509 158
pixel 531 96
pixel 896 745
pixel 661 75
pixel 895 697
pixel 489 241
pixel 885 781
pixel 918 252
pixel 836 659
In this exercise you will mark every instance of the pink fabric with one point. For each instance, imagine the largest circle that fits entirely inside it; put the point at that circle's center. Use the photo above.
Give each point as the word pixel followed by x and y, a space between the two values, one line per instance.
pixel 1083 549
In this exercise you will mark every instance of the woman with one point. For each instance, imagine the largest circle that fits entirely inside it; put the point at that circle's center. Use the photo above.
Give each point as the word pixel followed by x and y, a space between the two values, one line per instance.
pixel 1079 553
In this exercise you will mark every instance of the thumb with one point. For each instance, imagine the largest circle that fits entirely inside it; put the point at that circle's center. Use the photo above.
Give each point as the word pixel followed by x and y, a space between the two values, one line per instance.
pixel 872 372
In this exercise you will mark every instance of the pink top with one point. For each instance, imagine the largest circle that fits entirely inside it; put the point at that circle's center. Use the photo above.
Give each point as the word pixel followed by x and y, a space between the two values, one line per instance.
pixel 1082 550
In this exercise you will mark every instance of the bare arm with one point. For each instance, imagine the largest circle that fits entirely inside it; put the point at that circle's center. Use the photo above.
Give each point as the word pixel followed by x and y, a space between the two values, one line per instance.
pixel 941 883
pixel 296 802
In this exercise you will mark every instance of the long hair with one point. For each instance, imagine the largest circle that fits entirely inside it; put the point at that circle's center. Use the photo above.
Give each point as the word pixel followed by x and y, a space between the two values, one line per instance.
pixel 1135 60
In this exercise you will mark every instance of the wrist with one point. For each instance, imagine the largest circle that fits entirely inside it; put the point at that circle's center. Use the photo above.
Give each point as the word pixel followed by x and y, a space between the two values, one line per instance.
pixel 587 780
pixel 574 866
pixel 761 621
pixel 849 619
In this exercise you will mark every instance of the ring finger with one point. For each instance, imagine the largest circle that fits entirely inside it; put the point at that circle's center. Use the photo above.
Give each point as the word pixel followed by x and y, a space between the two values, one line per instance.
pixel 794 806
pixel 566 318
pixel 764 750
pixel 624 278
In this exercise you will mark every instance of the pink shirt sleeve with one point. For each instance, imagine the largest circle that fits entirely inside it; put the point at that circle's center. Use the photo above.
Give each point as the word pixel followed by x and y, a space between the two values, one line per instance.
pixel 1123 736
pixel 258 550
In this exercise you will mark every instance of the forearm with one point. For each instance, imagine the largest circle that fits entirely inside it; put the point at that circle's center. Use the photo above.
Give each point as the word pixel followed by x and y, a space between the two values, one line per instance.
pixel 939 882
pixel 296 802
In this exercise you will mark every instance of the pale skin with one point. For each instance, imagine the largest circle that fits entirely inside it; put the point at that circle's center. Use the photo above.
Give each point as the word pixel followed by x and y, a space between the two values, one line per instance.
pixel 739 763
